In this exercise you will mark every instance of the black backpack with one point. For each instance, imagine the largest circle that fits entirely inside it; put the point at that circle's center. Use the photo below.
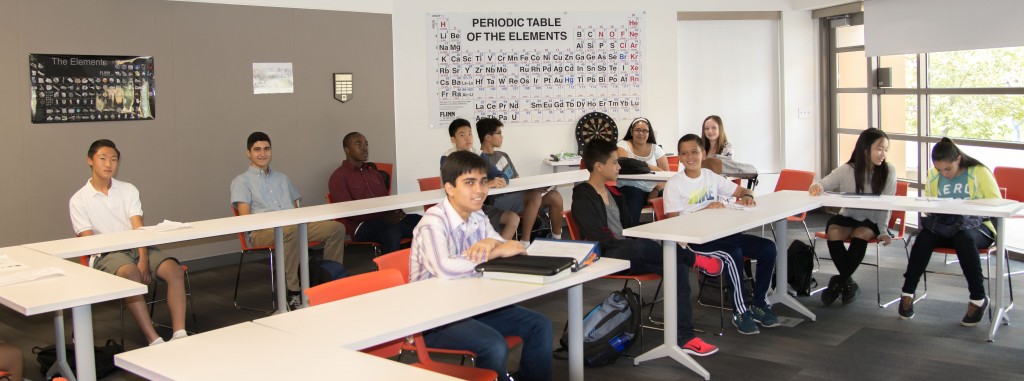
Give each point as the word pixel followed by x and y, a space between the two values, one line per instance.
pixel 609 329
pixel 104 357
pixel 801 265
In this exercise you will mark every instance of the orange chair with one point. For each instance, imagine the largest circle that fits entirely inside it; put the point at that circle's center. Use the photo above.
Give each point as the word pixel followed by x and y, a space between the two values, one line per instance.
pixel 575 235
pixel 247 249
pixel 429 183
pixel 388 169
pixel 1012 179
pixel 673 163
pixel 379 280
pixel 399 260
pixel 897 223
pixel 350 229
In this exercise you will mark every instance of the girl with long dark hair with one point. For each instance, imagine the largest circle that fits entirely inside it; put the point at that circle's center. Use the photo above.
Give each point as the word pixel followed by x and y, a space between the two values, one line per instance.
pixel 866 172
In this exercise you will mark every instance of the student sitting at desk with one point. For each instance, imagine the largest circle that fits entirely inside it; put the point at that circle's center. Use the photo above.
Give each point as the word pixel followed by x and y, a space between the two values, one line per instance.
pixel 461 133
pixel 954 176
pixel 695 189
pixel 451 239
pixel 358 179
pixel 526 203
pixel 11 361
pixel 600 212
pixel 107 205
pixel 639 143
pixel 716 144
pixel 259 190
pixel 865 172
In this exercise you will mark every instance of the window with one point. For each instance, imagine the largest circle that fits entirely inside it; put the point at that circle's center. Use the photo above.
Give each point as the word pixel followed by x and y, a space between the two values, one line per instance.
pixel 975 97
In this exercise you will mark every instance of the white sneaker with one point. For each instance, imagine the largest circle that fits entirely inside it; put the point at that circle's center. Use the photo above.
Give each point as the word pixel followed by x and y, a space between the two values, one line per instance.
pixel 158 341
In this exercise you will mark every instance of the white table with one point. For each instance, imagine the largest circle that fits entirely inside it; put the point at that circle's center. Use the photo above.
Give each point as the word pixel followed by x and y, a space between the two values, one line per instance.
pixel 660 176
pixel 963 207
pixel 77 289
pixel 250 351
pixel 102 243
pixel 364 321
pixel 563 163
pixel 709 225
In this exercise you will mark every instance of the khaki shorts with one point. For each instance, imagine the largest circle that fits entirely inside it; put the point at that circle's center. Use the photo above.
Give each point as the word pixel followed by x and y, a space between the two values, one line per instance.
pixel 112 261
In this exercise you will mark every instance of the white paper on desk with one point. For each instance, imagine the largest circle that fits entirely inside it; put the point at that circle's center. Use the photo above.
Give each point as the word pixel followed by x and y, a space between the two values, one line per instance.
pixel 8 264
pixel 167 225
pixel 28 274
pixel 553 248
pixel 740 207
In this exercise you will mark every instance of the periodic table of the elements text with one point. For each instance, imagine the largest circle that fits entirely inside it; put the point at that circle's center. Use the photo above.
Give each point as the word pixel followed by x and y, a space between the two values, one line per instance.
pixel 534 68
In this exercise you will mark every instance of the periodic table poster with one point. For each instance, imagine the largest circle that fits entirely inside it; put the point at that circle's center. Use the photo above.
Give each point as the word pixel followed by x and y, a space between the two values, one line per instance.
pixel 534 67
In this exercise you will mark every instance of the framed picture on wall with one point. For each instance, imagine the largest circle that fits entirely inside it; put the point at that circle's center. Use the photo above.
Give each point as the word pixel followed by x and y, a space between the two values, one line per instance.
pixel 85 88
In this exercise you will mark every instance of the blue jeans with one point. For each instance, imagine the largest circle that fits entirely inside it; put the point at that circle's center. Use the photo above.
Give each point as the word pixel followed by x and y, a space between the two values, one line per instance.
pixel 731 251
pixel 484 335
pixel 387 235
pixel 634 199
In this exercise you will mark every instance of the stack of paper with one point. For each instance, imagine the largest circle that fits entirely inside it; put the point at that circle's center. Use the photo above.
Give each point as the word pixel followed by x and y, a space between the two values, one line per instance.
pixel 583 252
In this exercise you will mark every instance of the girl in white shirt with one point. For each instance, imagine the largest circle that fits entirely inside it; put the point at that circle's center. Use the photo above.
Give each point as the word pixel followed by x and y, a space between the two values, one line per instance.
pixel 713 135
pixel 639 143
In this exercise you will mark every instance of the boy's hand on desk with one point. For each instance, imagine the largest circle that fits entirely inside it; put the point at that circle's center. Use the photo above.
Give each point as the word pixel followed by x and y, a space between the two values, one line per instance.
pixel 746 200
pixel 815 190
pixel 481 250
pixel 715 205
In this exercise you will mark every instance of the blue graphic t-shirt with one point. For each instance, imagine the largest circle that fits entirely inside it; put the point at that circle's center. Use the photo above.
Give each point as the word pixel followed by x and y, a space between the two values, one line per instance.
pixel 955 188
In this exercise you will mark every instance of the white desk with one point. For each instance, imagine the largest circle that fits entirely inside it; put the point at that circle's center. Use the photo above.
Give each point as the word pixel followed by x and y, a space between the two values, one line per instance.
pixel 963 207
pixel 370 319
pixel 250 351
pixel 563 163
pixel 102 243
pixel 709 225
pixel 660 176
pixel 77 290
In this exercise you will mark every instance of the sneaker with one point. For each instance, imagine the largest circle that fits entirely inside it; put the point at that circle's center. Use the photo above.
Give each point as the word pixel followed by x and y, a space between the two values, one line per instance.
pixel 906 307
pixel 974 314
pixel 831 293
pixel 708 265
pixel 745 323
pixel 765 316
pixel 294 300
pixel 850 291
pixel 697 347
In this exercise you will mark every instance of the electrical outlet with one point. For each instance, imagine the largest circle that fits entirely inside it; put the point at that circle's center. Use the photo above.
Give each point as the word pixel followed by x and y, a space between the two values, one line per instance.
pixel 803 113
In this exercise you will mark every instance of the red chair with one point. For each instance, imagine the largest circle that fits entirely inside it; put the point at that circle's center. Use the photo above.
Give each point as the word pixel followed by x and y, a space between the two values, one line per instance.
pixel 429 183
pixel 388 169
pixel 673 163
pixel 378 280
pixel 897 223
pixel 399 260
pixel 248 249
pixel 574 233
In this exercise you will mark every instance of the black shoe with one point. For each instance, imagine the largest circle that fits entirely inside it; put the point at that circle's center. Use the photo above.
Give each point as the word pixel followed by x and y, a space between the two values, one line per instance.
pixel 294 300
pixel 831 293
pixel 906 307
pixel 850 291
pixel 974 314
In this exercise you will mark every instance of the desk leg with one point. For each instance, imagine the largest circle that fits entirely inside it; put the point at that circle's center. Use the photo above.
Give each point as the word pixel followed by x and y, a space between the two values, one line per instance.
pixel 282 286
pixel 1000 310
pixel 576 332
pixel 303 261
pixel 670 348
pixel 782 273
pixel 61 366
pixel 85 357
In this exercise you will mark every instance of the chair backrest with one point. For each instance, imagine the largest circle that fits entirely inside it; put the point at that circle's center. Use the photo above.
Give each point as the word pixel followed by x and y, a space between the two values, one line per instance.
pixel 570 223
pixel 659 208
pixel 582 164
pixel 357 285
pixel 1011 178
pixel 429 183
pixel 389 169
pixel 84 260
pixel 898 218
pixel 398 260
pixel 241 237
pixel 792 179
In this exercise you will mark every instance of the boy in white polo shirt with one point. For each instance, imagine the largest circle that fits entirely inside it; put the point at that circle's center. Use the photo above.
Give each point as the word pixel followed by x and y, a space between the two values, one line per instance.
pixel 107 205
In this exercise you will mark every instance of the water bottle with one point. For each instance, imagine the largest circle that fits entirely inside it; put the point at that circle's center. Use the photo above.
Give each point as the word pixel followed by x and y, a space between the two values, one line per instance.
pixel 621 341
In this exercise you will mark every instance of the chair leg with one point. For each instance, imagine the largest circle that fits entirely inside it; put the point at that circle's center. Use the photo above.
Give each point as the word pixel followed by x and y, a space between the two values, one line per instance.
pixel 191 303
pixel 238 279
pixel 188 297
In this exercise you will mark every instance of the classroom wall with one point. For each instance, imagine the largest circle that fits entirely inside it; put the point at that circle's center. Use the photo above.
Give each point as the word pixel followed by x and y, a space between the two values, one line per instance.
pixel 183 161
pixel 528 145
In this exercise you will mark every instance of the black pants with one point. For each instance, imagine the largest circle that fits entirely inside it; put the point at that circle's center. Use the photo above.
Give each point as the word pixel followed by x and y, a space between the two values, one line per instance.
pixel 966 244
pixel 646 256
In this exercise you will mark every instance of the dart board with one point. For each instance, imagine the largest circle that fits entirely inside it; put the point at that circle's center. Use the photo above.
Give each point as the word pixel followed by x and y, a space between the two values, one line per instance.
pixel 595 124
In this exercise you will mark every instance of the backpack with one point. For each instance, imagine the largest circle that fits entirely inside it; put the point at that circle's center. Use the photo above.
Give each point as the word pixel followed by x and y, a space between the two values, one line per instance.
pixel 608 329
pixel 630 166
pixel 801 264
pixel 104 356
pixel 322 271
